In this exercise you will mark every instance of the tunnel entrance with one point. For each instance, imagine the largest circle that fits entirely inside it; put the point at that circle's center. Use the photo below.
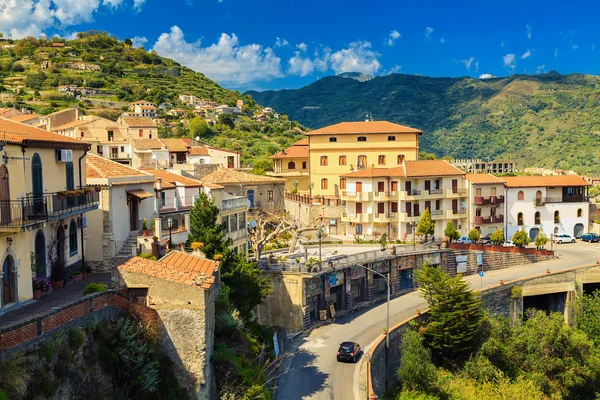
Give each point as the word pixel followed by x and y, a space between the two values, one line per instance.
pixel 551 302
pixel 589 288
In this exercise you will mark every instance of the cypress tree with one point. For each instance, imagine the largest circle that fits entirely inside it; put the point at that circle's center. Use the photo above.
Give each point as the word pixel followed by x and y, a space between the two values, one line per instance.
pixel 205 229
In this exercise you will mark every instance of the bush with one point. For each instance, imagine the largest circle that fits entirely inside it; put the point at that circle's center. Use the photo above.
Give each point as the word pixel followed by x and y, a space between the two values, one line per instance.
pixel 76 338
pixel 147 256
pixel 94 288
pixel 416 371
pixel 497 237
pixel 520 238
pixel 474 235
pixel 540 240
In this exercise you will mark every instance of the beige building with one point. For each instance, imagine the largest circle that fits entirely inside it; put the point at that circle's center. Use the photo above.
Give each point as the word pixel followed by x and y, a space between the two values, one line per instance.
pixel 391 200
pixel 43 205
pixel 149 153
pixel 291 164
pixel 139 127
pixel 58 118
pixel 486 202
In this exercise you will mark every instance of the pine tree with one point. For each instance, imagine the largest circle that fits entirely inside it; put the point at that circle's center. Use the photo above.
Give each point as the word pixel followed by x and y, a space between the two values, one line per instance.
pixel 426 225
pixel 450 232
pixel 205 229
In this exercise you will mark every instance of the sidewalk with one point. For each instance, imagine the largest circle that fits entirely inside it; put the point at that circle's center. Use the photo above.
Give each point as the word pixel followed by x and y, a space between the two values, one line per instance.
pixel 71 292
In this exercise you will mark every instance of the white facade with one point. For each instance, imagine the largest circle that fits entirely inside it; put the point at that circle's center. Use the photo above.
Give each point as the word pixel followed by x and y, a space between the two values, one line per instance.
pixel 224 158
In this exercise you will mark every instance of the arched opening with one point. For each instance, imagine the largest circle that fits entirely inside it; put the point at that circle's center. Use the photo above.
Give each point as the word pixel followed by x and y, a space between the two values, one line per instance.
pixel 533 232
pixel 303 164
pixel 579 213
pixel 520 195
pixel 537 219
pixel 37 184
pixel 520 219
pixel 538 195
pixel 556 230
pixel 361 162
pixel 291 165
pixel 9 281
pixel 5 216
pixel 72 238
pixel 40 254
pixel 381 159
pixel 556 217
pixel 578 230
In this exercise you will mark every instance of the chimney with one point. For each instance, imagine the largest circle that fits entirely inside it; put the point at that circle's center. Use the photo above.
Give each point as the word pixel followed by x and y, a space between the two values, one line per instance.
pixel 158 183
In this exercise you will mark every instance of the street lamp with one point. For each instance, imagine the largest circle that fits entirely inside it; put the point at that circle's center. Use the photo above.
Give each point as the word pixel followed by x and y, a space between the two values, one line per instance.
pixel 387 278
pixel 310 188
pixel 320 237
pixel 414 232
pixel 170 225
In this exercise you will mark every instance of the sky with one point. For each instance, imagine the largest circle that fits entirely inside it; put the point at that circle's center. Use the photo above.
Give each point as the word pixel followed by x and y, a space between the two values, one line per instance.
pixel 286 44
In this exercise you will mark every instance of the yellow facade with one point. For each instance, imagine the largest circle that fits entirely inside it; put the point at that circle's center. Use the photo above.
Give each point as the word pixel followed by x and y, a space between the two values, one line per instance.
pixel 379 150
pixel 293 170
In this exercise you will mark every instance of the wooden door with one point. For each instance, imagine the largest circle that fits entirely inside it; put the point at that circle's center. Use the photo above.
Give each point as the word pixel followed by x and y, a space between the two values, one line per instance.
pixel 133 213
pixel 454 185
pixel 4 196
pixel 394 186
pixel 454 206
pixel 394 205
pixel 427 185
pixel 358 208
pixel 428 205
pixel 380 208
pixel 407 207
pixel 381 187
pixel 358 187
pixel 416 210
pixel 408 187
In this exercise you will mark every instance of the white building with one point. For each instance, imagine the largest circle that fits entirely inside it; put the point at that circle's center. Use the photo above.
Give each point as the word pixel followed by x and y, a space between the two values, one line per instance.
pixel 223 109
pixel 553 204
pixel 486 202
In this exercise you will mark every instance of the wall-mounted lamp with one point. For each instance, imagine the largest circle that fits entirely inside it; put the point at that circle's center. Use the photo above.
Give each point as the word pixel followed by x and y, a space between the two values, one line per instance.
pixel 66 227
pixel 9 240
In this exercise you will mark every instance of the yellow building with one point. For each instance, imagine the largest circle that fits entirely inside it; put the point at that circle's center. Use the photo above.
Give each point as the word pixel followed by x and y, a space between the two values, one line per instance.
pixel 292 165
pixel 353 146
pixel 43 202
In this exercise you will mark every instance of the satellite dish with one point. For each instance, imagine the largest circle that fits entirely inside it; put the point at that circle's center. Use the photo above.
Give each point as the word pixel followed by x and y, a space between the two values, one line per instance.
pixel 252 224
pixel 197 138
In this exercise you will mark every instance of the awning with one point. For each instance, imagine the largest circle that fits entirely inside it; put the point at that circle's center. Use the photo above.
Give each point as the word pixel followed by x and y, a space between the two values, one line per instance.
pixel 140 193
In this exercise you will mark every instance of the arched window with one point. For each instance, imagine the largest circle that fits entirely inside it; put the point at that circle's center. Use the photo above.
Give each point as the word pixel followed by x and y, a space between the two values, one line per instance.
pixel 333 139
pixel 579 212
pixel 391 138
pixel 303 164
pixel 324 184
pixel 400 159
pixel 9 282
pixel 556 217
pixel 381 159
pixel 361 139
pixel 520 219
pixel 73 238
pixel 324 161
pixel 40 254
pixel 538 195
pixel 537 219
pixel 291 165
pixel 361 162
pixel 342 160
pixel 342 183
pixel 520 195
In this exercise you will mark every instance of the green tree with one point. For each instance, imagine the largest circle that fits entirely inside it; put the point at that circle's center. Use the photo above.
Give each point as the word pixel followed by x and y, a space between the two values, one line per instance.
pixel 416 371
pixel 426 225
pixel 520 238
pixel 128 42
pixel 205 229
pixel 587 315
pixel 474 235
pixel 198 127
pixel 455 312
pixel 497 237
pixel 450 232
pixel 540 240
pixel 227 120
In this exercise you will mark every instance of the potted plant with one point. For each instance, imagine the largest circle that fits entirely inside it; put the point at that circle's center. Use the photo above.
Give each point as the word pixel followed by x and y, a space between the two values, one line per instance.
pixel 85 270
pixel 152 224
pixel 61 195
pixel 40 285
pixel 145 231
pixel 77 276
pixel 57 274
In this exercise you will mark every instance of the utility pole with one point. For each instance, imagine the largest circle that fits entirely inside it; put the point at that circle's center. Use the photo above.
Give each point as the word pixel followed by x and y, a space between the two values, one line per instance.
pixel 388 281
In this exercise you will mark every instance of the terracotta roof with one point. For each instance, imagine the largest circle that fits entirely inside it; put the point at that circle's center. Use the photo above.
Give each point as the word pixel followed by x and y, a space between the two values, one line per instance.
pixel 138 121
pixel 73 124
pixel 301 142
pixel 100 167
pixel 198 151
pixel 131 182
pixel 140 193
pixel 297 150
pixel 226 151
pixel 212 185
pixel 187 141
pixel 364 127
pixel 17 132
pixel 147 144
pixel 24 117
pixel 483 178
pixel 226 176
pixel 168 179
pixel 141 102
pixel 545 181
pixel 414 169
pixel 148 108
pixel 376 173
pixel 176 267
pixel 175 145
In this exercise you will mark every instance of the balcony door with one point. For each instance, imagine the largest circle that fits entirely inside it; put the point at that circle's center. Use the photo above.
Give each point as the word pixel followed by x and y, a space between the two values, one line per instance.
pixel 381 187
pixel 37 184
pixel 4 196
pixel 133 213
pixel 9 281
pixel 358 187
pixel 454 185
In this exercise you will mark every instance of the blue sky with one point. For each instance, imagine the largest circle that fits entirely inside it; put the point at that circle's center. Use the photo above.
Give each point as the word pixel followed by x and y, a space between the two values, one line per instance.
pixel 288 44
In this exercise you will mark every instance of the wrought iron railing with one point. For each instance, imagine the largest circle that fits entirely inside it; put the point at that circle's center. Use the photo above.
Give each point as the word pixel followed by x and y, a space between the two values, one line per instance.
pixel 23 212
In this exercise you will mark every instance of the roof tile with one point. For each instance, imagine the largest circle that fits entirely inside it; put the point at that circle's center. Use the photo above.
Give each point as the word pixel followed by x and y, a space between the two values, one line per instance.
pixel 226 176
pixel 16 132
pixel 364 127
pixel 99 167
pixel 544 181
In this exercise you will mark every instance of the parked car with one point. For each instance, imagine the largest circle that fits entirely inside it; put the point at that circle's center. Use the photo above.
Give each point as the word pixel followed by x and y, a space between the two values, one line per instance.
pixel 508 244
pixel 487 239
pixel 464 240
pixel 348 351
pixel 564 238
pixel 589 237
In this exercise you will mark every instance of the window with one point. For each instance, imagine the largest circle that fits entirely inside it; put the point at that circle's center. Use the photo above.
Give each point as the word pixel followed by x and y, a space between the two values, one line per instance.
pixel 579 213
pixel 478 212
pixel 437 204
pixel 556 217
pixel 324 184
pixel 358 229
pixel 394 206
pixel 361 139
pixel 291 165
pixel 361 162
pixel 381 159
pixel 303 164
pixel 111 136
pixel 520 195
pixel 73 237
pixel 242 220
pixel 233 222
pixel 70 176
pixel 225 223
pixel 81 133
pixel 400 159
pixel 269 195
pixel 163 198
pixel 380 208
pixel 394 186
pixel 391 138
pixel 537 218
pixel 99 149
pixel 538 195
pixel 359 208
pixel 324 161
pixel 122 149
pixel 520 219
pixel 332 139
pixel 342 183
pixel 150 136
pixel 342 160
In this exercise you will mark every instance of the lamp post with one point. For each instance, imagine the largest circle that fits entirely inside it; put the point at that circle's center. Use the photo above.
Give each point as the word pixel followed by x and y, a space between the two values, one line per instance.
pixel 170 225
pixel 320 237
pixel 310 188
pixel 387 278
pixel 296 183
pixel 414 231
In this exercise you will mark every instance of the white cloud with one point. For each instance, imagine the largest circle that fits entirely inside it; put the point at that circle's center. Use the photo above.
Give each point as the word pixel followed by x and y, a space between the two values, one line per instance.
pixel 112 3
pixel 300 65
pixel 394 35
pixel 428 31
pixel 358 57
pixel 279 42
pixel 226 61
pixel 510 61
pixel 477 66
pixel 540 69
pixel 575 47
pixel 529 29
pixel 139 41
pixel 502 43
pixel 442 40
pixel 395 69
pixel 555 53
pixel 137 5
pixel 302 47
pixel 467 62
pixel 525 55
pixel 486 76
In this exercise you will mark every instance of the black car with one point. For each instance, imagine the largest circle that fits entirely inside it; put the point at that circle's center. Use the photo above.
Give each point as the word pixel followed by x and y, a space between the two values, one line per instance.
pixel 487 239
pixel 348 351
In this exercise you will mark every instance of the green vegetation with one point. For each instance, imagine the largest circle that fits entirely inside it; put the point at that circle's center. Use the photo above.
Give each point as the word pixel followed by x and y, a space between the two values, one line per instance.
pixel 546 120
pixel 520 238
pixel 94 288
pixel 426 225
pixel 497 237
pixel 540 240
pixel 474 235
pixel 450 232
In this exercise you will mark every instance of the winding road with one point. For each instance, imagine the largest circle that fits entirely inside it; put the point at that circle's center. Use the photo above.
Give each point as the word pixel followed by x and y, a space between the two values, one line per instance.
pixel 312 372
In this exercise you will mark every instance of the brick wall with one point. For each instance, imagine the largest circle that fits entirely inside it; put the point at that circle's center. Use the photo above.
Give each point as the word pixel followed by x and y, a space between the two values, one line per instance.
pixel 17 336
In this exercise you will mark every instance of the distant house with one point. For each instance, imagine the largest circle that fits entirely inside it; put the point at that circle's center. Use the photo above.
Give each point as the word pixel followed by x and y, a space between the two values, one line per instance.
pixel 140 127
pixel 149 153
pixel 259 118
pixel 187 99
pixel 224 109
pixel 45 64
pixel 146 111
pixel 57 44
pixel 28 119
pixel 176 112
pixel 145 103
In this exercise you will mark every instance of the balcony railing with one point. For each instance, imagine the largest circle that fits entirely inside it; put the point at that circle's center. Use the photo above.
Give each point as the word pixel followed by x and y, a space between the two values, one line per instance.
pixel 63 202
pixel 233 204
pixel 436 212
pixel 479 200
pixel 498 218
pixel 23 213
pixel 459 211
pixel 564 199
pixel 436 191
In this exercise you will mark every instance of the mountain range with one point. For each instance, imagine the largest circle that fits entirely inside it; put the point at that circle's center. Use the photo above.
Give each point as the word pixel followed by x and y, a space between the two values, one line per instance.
pixel 547 120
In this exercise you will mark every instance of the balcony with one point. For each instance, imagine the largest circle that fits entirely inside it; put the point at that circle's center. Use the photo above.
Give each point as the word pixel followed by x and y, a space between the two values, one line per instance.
pixel 234 204
pixel 240 234
pixel 454 193
pixel 408 217
pixel 458 213
pixel 437 214
pixel 482 220
pixel 67 203
pixel 479 200
pixel 541 201
pixel 173 205
pixel 498 219
pixel 436 191
pixel 384 218
pixel 24 214
pixel 357 196
pixel 385 196
pixel 357 218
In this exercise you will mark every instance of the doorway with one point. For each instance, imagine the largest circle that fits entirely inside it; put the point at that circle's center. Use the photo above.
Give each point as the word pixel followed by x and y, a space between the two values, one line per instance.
pixel 133 213
pixel 533 232
pixel 4 196
pixel 578 230
pixel 40 254
pixel 37 184
pixel 250 194
pixel 9 281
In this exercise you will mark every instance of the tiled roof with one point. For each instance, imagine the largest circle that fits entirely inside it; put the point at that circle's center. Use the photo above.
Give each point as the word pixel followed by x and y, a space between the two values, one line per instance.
pixel 414 169
pixel 212 185
pixel 297 150
pixel 17 132
pixel 141 102
pixel 24 117
pixel 73 124
pixel 100 167
pixel 147 144
pixel 176 267
pixel 364 127
pixel 226 176
pixel 198 151
pixel 138 121
pixel 483 178
pixel 140 193
pixel 168 178
pixel 544 181
pixel 175 145
pixel 148 108
pixel 217 149
pixel 301 142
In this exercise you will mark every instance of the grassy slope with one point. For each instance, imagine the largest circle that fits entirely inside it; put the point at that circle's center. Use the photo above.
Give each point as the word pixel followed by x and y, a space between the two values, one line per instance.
pixel 548 120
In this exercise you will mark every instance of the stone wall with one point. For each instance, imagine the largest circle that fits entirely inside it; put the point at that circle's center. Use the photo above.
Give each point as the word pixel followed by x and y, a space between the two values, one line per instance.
pixel 283 306
pixel 309 213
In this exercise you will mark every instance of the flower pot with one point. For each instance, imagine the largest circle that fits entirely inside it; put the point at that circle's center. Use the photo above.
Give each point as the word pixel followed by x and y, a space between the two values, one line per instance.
pixel 77 278
pixel 57 285
pixel 37 294
pixel 501 282
pixel 84 275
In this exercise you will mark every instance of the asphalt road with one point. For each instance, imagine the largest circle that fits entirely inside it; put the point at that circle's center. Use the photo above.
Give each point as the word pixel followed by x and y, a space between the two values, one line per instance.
pixel 312 371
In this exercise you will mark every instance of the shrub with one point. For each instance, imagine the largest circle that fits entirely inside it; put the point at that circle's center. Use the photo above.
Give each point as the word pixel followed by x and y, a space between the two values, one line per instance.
pixel 147 256
pixel 94 288
pixel 540 240
pixel 520 238
pixel 76 338
pixel 497 237
pixel 474 235
pixel 416 371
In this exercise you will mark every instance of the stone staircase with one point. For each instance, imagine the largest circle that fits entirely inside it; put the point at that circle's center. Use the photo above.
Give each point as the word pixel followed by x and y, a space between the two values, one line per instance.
pixel 125 249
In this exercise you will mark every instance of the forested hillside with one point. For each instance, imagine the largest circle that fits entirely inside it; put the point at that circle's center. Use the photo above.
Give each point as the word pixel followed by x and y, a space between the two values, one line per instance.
pixel 548 120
